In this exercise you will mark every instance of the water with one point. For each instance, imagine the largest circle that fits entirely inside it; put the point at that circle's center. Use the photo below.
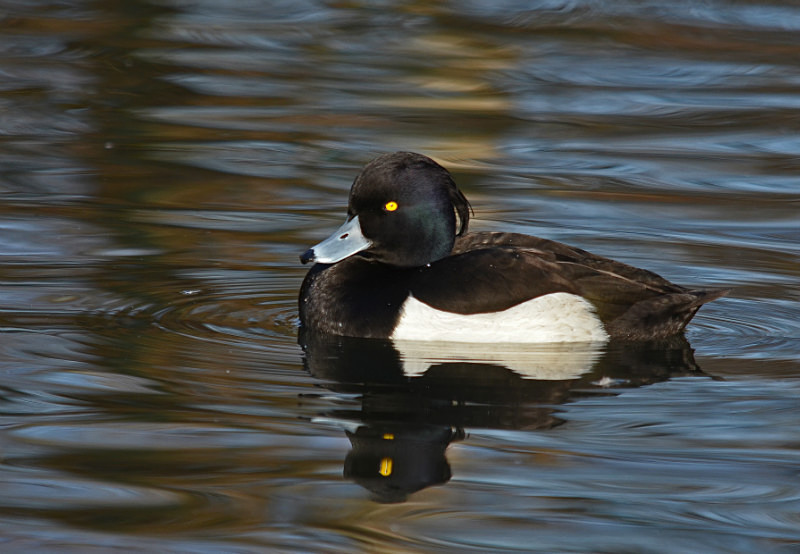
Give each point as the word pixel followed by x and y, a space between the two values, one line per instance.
pixel 163 164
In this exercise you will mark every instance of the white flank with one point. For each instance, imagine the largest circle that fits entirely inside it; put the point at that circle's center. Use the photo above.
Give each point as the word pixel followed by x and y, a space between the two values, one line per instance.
pixel 557 317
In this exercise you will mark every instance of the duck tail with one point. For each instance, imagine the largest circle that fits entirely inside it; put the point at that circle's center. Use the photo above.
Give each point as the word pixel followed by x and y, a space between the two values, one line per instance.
pixel 700 297
pixel 703 296
pixel 662 315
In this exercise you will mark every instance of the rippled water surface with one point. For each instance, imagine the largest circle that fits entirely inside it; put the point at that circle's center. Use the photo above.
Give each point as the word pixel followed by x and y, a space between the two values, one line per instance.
pixel 163 163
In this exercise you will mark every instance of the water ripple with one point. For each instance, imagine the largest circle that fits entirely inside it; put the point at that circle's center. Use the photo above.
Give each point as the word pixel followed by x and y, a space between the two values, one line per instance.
pixel 751 329
pixel 39 490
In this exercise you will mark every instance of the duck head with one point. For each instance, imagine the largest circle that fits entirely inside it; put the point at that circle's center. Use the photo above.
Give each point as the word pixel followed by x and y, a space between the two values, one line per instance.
pixel 404 210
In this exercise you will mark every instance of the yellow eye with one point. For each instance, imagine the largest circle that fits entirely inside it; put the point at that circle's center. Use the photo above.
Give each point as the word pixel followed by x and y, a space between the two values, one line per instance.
pixel 390 206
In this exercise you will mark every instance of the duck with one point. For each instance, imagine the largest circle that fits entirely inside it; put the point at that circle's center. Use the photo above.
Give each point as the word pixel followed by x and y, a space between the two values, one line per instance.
pixel 404 267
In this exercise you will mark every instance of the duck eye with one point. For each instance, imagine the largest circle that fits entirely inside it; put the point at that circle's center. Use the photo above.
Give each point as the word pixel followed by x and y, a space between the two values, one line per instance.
pixel 390 206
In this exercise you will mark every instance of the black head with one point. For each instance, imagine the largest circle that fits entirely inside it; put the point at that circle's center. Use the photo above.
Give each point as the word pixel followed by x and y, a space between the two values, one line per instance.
pixel 404 210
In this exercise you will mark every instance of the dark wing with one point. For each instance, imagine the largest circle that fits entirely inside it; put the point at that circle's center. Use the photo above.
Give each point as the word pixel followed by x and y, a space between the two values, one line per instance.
pixel 487 280
pixel 494 271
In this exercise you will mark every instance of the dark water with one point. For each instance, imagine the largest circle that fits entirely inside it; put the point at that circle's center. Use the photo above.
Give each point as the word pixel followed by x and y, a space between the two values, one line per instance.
pixel 163 163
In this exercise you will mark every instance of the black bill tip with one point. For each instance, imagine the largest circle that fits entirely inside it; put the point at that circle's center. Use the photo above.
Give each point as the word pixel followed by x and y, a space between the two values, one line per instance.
pixel 307 256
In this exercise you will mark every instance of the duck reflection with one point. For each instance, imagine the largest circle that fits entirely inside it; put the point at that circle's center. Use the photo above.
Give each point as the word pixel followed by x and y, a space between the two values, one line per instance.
pixel 417 398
